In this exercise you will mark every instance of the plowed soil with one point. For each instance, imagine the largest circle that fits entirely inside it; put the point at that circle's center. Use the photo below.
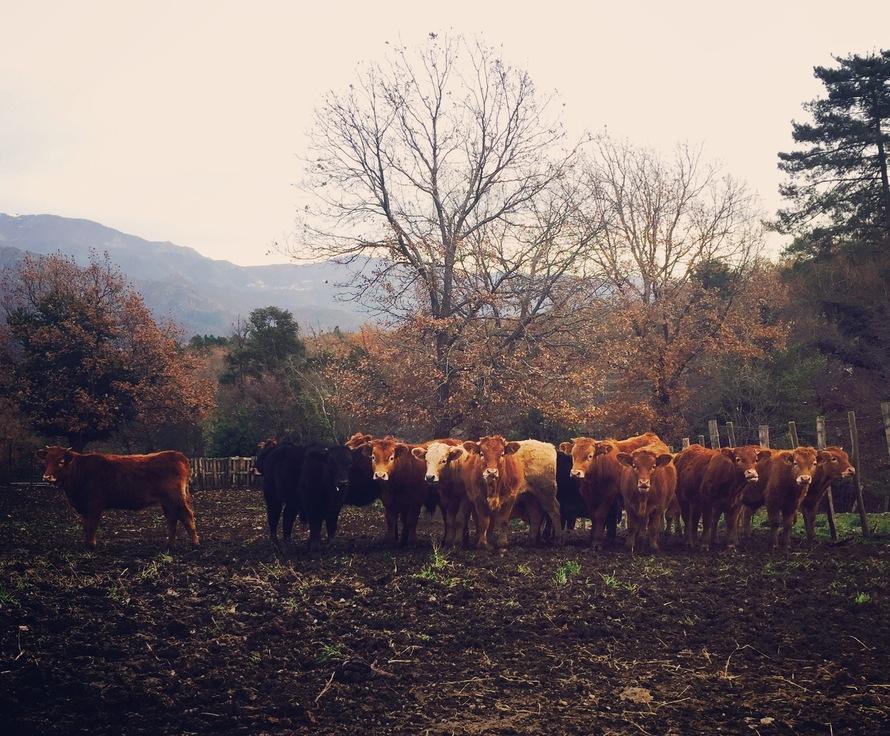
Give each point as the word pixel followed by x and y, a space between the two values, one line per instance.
pixel 364 639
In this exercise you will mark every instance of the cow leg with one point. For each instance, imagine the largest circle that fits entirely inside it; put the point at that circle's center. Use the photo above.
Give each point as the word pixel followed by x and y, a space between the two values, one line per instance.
pixel 483 522
pixel 314 535
pixel 551 508
pixel 287 523
pixel 710 517
pixel 273 514
pixel 809 521
pixel 171 515
pixel 90 527
pixel 462 530
pixel 787 525
pixel 692 525
pixel 631 534
pixel 775 521
pixel 656 523
pixel 732 528
pixel 392 527
pixel 331 524
pixel 409 529
pixel 597 531
pixel 500 523
pixel 535 518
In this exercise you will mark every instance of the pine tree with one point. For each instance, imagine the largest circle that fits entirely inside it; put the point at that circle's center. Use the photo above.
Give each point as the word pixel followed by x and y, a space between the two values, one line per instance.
pixel 838 185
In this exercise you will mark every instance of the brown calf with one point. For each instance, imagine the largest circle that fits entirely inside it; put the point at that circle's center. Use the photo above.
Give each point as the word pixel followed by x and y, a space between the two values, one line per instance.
pixel 93 482
pixel 710 483
pixel 599 473
pixel 494 479
pixel 403 490
pixel 789 480
pixel 647 490
pixel 444 470
pixel 834 463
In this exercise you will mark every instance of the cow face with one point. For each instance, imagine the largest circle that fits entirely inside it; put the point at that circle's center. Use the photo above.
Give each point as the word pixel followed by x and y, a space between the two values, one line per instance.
pixel 803 463
pixel 583 452
pixel 338 466
pixel 745 460
pixel 263 450
pixel 383 454
pixel 492 451
pixel 835 463
pixel 437 457
pixel 643 464
pixel 357 440
pixel 56 461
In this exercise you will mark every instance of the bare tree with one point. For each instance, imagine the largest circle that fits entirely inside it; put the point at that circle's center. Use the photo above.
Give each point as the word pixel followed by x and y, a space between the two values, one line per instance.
pixel 448 176
pixel 678 247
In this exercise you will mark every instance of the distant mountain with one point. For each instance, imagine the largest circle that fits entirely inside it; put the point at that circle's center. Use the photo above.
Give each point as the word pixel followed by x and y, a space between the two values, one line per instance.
pixel 202 294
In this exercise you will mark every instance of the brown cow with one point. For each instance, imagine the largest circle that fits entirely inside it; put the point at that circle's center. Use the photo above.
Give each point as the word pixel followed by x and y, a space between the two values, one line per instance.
pixel 834 463
pixel 444 464
pixel 711 482
pixel 494 478
pixel 789 480
pixel 93 482
pixel 403 490
pixel 647 490
pixel 600 475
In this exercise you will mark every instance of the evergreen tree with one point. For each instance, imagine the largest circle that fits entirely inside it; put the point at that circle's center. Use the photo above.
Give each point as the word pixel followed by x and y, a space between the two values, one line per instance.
pixel 838 185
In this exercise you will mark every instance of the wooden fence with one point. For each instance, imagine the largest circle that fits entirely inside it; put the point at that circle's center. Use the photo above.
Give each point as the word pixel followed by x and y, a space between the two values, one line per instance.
pixel 212 473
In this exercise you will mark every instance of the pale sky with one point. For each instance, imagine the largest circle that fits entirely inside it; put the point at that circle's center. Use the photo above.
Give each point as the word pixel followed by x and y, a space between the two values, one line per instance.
pixel 185 121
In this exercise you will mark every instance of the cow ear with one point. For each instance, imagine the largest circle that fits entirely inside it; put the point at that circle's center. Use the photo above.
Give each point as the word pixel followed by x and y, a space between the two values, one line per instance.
pixel 470 446
pixel 41 453
pixel 624 458
pixel 823 457
pixel 663 459
pixel 787 456
pixel 728 452
pixel 401 450
pixel 603 449
pixel 419 452
pixel 764 454
pixel 366 449
pixel 454 453
pixel 511 447
pixel 566 447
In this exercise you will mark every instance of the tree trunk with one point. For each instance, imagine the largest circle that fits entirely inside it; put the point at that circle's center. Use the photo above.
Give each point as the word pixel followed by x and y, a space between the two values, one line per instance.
pixel 882 162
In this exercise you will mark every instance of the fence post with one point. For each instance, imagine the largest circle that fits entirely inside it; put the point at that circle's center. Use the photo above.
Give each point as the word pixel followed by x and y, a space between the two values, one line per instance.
pixel 730 434
pixel 715 433
pixel 685 442
pixel 885 414
pixel 763 435
pixel 854 441
pixel 701 440
pixel 821 444
pixel 792 430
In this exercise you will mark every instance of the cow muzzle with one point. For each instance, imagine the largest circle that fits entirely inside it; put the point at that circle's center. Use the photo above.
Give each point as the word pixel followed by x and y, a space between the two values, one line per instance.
pixel 803 480
pixel 49 478
pixel 381 476
pixel 643 487
pixel 848 473
pixel 490 473
pixel 577 473
pixel 431 478
pixel 751 476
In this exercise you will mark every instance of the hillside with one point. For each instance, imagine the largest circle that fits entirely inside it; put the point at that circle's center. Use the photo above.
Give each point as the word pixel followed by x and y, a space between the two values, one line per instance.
pixel 204 295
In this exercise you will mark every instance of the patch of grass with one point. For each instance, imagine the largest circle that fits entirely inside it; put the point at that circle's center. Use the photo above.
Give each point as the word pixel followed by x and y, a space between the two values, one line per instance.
pixel 523 569
pixel 291 605
pixel 118 592
pixel 329 652
pixel 861 599
pixel 7 599
pixel 153 569
pixel 565 571
pixel 612 581
pixel 436 567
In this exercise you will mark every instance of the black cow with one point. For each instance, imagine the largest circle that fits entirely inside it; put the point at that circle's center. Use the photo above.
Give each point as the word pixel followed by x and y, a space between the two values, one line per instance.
pixel 571 505
pixel 323 487
pixel 280 465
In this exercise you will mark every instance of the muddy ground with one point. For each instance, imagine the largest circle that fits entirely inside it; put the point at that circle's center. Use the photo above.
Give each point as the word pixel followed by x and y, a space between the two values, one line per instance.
pixel 363 639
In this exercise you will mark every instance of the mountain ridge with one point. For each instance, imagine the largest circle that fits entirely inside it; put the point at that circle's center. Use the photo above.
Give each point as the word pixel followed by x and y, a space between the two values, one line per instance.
pixel 203 294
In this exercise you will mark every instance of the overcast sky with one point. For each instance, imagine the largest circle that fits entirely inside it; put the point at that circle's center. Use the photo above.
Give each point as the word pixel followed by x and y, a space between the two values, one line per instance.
pixel 184 121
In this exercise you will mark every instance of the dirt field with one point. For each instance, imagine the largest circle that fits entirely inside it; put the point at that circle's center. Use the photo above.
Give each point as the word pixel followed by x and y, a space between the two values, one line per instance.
pixel 363 639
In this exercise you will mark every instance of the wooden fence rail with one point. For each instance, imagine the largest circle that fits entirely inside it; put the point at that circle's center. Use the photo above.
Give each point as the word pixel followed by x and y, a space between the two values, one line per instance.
pixel 222 473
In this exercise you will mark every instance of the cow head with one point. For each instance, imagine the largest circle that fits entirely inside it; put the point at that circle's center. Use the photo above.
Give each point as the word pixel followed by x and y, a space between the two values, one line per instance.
pixel 492 450
pixel 643 463
pixel 835 463
pixel 437 457
pixel 263 450
pixel 802 461
pixel 338 465
pixel 56 461
pixel 357 440
pixel 383 454
pixel 582 451
pixel 745 459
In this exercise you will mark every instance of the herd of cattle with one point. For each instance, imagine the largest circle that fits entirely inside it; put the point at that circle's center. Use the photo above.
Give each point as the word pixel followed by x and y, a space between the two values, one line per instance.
pixel 489 481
